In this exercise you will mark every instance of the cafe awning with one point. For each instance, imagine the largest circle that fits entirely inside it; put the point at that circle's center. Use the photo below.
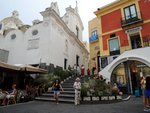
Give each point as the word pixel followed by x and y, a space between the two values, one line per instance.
pixel 31 69
pixel 8 67
pixel 21 68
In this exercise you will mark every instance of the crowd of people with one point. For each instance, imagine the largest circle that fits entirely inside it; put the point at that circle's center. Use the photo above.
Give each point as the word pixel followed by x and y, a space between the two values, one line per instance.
pixel 30 90
pixel 29 93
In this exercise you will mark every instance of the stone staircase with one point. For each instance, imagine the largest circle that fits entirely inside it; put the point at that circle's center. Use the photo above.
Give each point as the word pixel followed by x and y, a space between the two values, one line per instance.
pixel 66 96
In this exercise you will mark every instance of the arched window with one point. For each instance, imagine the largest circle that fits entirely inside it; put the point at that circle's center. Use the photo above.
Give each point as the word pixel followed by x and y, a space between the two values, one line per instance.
pixel 34 32
pixel 0 26
pixel 66 45
pixel 77 31
pixel 13 36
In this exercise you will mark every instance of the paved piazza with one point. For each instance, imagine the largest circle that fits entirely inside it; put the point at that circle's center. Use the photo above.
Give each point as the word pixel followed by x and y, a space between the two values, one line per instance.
pixel 134 105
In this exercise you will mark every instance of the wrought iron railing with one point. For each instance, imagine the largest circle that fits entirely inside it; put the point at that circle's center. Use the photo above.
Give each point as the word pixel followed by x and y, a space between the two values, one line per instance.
pixel 93 38
pixel 131 19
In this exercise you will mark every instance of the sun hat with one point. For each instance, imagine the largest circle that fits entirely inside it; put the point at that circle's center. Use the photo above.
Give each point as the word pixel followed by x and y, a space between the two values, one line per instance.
pixel 77 79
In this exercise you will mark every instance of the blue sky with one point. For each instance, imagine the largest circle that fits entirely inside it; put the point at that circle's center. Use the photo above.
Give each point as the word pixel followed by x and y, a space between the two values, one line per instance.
pixel 30 9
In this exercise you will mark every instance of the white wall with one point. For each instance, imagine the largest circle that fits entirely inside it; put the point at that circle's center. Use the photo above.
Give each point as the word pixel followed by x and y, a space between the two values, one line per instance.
pixel 14 46
pixel 47 46
pixel 72 20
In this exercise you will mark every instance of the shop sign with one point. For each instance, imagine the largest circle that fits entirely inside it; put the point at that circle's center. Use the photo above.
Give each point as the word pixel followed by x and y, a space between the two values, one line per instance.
pixel 136 29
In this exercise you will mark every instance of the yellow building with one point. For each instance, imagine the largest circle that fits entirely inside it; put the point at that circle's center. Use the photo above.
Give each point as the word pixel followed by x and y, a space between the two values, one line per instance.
pixel 94 47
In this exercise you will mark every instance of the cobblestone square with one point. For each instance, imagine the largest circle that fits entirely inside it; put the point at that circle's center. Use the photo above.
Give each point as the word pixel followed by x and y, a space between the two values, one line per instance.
pixel 134 105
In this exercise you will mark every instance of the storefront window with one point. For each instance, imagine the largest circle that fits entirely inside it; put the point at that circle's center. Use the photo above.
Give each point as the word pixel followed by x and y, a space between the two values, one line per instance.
pixel 119 75
pixel 114 48
pixel 104 62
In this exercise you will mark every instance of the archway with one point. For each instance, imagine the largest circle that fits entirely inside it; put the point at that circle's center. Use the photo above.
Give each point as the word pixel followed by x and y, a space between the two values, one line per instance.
pixel 128 74
pixel 127 58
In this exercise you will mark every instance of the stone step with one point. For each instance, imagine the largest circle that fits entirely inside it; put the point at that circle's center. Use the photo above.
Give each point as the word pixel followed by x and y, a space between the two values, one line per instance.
pixel 68 89
pixel 61 95
pixel 66 96
pixel 64 92
pixel 53 100
pixel 68 83
pixel 67 86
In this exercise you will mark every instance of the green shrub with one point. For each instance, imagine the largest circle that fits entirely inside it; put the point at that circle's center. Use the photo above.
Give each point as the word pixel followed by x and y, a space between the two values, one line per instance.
pixel 48 79
pixel 146 71
pixel 94 87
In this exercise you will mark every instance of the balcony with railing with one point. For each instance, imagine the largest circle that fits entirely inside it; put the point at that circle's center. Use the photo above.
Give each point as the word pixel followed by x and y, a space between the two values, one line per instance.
pixel 131 19
pixel 93 38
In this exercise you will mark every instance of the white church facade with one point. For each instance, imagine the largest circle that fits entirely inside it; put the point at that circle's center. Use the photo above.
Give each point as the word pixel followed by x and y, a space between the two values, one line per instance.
pixel 54 40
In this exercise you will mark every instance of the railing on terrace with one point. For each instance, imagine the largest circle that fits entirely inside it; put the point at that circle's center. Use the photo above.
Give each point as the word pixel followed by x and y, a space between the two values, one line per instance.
pixel 93 38
pixel 131 19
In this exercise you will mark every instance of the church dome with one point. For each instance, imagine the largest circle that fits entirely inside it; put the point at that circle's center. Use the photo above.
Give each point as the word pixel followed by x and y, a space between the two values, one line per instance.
pixel 12 22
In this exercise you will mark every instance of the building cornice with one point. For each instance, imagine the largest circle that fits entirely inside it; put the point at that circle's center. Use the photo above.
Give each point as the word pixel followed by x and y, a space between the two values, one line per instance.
pixel 110 6
pixel 53 14
pixel 74 12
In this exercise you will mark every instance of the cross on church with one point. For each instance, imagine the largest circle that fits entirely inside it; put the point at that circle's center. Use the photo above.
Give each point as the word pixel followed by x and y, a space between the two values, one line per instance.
pixel 15 13
pixel 76 3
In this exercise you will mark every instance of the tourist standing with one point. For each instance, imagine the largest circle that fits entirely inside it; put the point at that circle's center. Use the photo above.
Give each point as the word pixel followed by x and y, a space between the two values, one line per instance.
pixel 82 70
pixel 143 86
pixel 69 68
pixel 77 88
pixel 56 87
pixel 147 94
pixel 88 72
pixel 93 70
pixel 78 70
pixel 75 69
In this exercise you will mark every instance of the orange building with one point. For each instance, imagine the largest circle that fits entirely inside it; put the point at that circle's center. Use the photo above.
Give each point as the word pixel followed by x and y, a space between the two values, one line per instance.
pixel 125 36
pixel 125 25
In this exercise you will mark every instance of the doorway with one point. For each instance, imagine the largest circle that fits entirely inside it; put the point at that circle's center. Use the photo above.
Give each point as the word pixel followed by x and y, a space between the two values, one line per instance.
pixel 135 41
pixel 135 75
pixel 98 61
pixel 77 60
pixel 65 63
